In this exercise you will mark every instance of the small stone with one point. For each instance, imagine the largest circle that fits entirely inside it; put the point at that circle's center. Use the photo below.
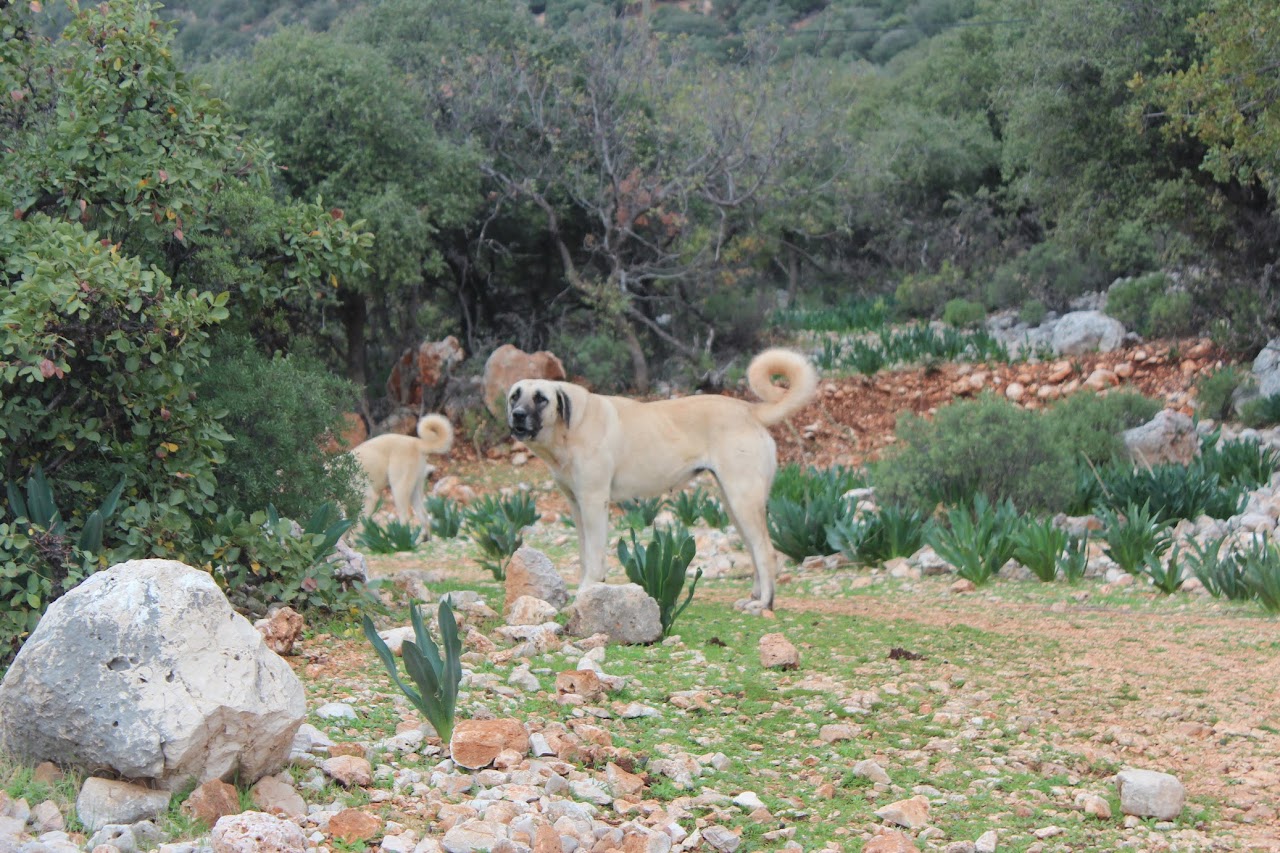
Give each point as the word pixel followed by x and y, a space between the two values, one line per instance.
pixel 212 801
pixel 349 770
pixel 777 652
pixel 354 825
pixel 911 813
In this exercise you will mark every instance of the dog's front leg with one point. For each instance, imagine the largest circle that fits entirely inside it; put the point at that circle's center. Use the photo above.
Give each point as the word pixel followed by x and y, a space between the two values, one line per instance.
pixel 593 535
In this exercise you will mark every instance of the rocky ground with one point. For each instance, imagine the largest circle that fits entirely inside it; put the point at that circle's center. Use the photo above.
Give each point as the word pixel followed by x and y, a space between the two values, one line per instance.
pixel 1089 677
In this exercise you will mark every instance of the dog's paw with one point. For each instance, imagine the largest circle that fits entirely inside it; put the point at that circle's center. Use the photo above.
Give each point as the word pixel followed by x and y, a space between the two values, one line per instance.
pixel 752 607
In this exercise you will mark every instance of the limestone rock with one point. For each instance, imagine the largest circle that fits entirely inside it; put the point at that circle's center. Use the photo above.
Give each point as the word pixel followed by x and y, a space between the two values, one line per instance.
pixel 476 743
pixel 530 572
pixel 911 813
pixel 777 652
pixel 1150 793
pixel 1081 332
pixel 107 801
pixel 146 670
pixel 212 801
pixel 1168 437
pixel 255 832
pixel 623 612
pixel 281 630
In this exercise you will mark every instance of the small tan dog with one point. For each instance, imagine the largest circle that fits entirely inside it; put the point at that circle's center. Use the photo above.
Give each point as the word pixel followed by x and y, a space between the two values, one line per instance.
pixel 400 461
pixel 602 449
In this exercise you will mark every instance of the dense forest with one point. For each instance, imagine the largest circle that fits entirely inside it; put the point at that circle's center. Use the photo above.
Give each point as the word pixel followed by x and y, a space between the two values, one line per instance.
pixel 228 218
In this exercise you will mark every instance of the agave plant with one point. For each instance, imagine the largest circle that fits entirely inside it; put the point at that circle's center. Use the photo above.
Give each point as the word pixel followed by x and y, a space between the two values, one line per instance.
pixel 435 672
pixel 1132 535
pixel 393 537
pixel 1039 546
pixel 660 569
pixel 446 516
pixel 977 540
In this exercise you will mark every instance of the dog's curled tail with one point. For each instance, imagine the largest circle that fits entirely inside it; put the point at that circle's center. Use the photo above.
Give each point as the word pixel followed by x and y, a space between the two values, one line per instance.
pixel 781 402
pixel 436 432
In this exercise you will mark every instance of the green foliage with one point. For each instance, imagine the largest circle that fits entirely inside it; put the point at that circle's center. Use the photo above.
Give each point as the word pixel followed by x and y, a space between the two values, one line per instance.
pixel 963 313
pixel 1172 315
pixel 660 569
pixel 1238 462
pixel 977 539
pixel 601 360
pixel 924 294
pixel 41 556
pixel 1165 575
pixel 273 410
pixel 264 558
pixel 1032 312
pixel 803 506
pixel 1132 535
pixel 1040 545
pixel 496 524
pixel 1262 573
pixel 874 537
pixel 858 315
pixel 446 516
pixel 391 538
pixel 1131 301
pixel 688 507
pixel 640 513
pixel 1090 424
pixel 1050 273
pixel 1215 390
pixel 913 343
pixel 435 672
pixel 1261 411
pixel 949 459
pixel 1171 491
pixel 1075 559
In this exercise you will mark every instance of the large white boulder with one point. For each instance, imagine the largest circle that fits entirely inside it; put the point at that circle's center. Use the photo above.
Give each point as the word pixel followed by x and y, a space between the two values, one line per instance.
pixel 1083 332
pixel 145 670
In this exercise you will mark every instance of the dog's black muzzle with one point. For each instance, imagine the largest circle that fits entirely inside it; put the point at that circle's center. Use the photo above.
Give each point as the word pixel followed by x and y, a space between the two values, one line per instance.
pixel 523 424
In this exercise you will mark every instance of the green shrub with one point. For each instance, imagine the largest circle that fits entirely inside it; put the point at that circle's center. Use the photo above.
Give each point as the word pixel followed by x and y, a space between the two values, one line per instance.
pixel 950 459
pixel 1216 389
pixel 1261 412
pixel 1075 559
pixel 1262 573
pixel 690 508
pixel 435 673
pixel 602 360
pixel 923 294
pixel 660 570
pixel 1165 575
pixel 1056 274
pixel 1130 300
pixel 1133 535
pixel 277 408
pixel 264 558
pixel 977 539
pixel 1172 315
pixel 801 529
pixel 1238 462
pixel 1039 545
pixel 1090 424
pixel 41 555
pixel 963 313
pixel 1032 312
pixel 392 538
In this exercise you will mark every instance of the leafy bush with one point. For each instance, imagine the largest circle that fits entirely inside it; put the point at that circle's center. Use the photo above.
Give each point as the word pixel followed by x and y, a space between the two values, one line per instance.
pixel 1130 300
pixel 1262 573
pixel 1165 575
pixel 949 459
pixel 963 313
pixel 1055 274
pixel 392 538
pixel 1039 545
pixel 1239 462
pixel 801 483
pixel 265 558
pixel 1221 574
pixel 1032 312
pixel 1172 315
pixel 874 537
pixel 1261 412
pixel 1075 559
pixel 436 673
pixel 692 507
pixel 803 506
pixel 41 557
pixel 1133 535
pixel 977 539
pixel 919 295
pixel 446 516
pixel 858 315
pixel 1215 391
pixel 660 569
pixel 1090 424
pixel 275 408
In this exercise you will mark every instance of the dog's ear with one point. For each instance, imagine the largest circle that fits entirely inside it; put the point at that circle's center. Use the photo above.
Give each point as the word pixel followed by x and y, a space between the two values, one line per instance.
pixel 563 407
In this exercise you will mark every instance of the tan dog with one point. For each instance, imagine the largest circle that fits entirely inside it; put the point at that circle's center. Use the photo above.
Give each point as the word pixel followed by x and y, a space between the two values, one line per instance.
pixel 400 461
pixel 602 449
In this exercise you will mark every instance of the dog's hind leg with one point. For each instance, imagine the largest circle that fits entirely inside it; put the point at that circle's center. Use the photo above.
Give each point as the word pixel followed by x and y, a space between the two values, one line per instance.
pixel 746 500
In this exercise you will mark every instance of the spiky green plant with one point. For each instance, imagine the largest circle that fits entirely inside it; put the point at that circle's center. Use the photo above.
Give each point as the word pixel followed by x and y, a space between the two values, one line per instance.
pixel 873 537
pixel 1039 545
pixel 446 516
pixel 977 539
pixel 660 569
pixel 1223 575
pixel 640 513
pixel 1165 575
pixel 1132 535
pixel 435 672
pixel 391 538
pixel 1075 558
pixel 496 525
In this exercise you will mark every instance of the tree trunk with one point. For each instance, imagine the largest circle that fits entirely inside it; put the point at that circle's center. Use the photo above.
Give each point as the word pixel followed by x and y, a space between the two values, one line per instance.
pixel 355 317
pixel 639 365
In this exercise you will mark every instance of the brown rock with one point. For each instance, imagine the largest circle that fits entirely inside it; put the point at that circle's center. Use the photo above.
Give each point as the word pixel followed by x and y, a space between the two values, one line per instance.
pixel 777 652
pixel 47 773
pixel 348 748
pixel 417 380
pixel 891 842
pixel 547 840
pixel 348 770
pixel 213 800
pixel 351 825
pixel 962 586
pixel 273 795
pixel 1059 373
pixel 281 630
pixel 911 813
pixel 621 783
pixel 476 743
pixel 507 365
pixel 354 430
pixel 582 682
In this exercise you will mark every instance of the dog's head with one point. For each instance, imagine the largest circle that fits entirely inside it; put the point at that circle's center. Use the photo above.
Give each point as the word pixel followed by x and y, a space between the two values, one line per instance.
pixel 535 406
